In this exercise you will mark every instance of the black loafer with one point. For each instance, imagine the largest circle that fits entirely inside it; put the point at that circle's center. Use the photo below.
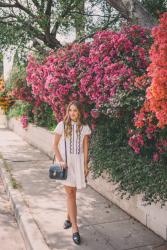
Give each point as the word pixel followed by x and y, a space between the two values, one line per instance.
pixel 76 238
pixel 67 224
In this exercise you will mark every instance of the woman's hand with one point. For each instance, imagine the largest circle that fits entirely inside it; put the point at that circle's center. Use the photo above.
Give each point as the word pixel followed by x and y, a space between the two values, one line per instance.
pixel 85 145
pixel 86 170
pixel 62 164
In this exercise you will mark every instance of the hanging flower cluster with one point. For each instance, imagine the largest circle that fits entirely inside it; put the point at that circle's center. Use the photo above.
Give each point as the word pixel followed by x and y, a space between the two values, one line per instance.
pixel 151 120
pixel 6 99
pixel 136 141
pixel 35 109
pixel 115 59
pixel 156 93
pixel 20 90
pixel 91 72
pixel 1 84
pixel 57 80
pixel 24 121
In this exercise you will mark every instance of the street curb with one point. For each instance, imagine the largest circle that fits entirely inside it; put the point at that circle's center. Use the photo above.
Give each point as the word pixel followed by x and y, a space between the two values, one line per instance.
pixel 31 234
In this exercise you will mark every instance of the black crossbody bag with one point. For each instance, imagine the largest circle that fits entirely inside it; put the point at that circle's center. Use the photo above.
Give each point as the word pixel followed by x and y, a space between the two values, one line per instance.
pixel 55 170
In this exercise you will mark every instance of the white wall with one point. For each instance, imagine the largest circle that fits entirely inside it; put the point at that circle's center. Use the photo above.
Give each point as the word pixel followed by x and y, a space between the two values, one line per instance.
pixel 8 57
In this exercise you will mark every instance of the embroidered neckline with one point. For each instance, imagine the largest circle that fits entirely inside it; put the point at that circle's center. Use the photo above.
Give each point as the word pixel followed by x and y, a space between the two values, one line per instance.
pixel 73 122
pixel 75 139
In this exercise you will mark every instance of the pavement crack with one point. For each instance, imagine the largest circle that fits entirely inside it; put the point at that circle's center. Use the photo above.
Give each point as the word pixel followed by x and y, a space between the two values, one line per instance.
pixel 101 223
pixel 153 247
pixel 163 244
pixel 25 160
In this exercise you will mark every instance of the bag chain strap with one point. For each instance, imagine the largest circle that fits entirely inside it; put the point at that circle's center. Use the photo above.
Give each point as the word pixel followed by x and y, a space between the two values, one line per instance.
pixel 65 145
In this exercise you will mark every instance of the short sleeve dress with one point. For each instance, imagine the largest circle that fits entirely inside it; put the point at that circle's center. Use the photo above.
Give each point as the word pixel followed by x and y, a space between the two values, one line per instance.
pixel 75 154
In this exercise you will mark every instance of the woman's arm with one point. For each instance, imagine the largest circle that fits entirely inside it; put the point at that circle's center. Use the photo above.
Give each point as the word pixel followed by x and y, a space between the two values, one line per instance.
pixel 86 147
pixel 55 147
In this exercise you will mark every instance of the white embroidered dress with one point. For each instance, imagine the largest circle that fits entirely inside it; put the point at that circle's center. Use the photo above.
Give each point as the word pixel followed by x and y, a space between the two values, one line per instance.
pixel 75 154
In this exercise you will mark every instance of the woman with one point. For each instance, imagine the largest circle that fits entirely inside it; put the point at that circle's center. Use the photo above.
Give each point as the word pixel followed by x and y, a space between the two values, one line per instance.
pixel 76 133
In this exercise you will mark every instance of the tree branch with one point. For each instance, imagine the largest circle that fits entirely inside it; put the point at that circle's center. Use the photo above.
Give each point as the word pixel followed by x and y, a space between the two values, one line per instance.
pixel 21 7
pixel 6 17
pixel 7 5
pixel 35 2
pixel 48 8
pixel 48 17
pixel 17 5
pixel 86 14
pixel 10 23
pixel 119 6
pixel 82 39
pixel 38 47
pixel 57 23
pixel 133 9
pixel 42 5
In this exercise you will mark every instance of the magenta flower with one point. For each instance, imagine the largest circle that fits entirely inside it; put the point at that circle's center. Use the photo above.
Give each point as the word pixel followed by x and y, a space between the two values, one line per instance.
pixel 95 113
pixel 24 121
pixel 155 156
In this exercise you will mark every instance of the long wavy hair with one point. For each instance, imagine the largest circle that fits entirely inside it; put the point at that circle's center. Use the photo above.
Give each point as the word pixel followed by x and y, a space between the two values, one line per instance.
pixel 67 119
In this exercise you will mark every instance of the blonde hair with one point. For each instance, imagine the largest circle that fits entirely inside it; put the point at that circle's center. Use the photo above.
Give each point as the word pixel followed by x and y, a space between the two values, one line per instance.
pixel 67 119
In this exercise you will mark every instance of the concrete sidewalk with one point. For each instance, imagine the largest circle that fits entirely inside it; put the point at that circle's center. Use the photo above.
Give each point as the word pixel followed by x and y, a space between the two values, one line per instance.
pixel 10 237
pixel 102 224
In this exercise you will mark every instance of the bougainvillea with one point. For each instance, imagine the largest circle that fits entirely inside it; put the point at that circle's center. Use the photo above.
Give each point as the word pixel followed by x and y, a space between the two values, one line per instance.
pixel 31 108
pixel 6 99
pixel 1 84
pixel 151 120
pixel 19 88
pixel 24 121
pixel 115 59
pixel 108 76
pixel 91 72
pixel 157 92
pixel 56 81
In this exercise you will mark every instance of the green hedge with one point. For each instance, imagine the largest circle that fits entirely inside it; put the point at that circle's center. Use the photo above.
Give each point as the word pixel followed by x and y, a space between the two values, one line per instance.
pixel 109 151
pixel 41 116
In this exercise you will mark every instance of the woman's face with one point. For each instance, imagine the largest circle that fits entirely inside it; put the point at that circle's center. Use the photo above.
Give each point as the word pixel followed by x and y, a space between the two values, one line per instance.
pixel 73 112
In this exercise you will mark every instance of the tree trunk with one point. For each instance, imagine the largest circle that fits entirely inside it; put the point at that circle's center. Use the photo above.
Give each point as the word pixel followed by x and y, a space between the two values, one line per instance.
pixel 80 22
pixel 133 11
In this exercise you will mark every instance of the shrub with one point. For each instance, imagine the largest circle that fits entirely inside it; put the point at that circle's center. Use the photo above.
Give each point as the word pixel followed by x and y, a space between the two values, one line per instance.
pixel 28 107
pixel 151 120
pixel 108 76
pixel 94 73
pixel 134 174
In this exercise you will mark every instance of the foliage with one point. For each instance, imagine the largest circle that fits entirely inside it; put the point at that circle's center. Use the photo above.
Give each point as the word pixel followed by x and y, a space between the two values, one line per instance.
pixel 134 174
pixel 6 100
pixel 19 109
pixel 157 92
pixel 18 86
pixel 41 116
pixel 39 23
pixel 93 73
pixel 1 84
pixel 155 7
pixel 56 79
pixel 29 108
pixel 115 60
pixel 151 120
pixel 108 76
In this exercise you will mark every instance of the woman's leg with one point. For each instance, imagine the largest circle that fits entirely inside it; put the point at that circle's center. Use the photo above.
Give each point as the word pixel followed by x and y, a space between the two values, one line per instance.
pixel 71 206
pixel 68 217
